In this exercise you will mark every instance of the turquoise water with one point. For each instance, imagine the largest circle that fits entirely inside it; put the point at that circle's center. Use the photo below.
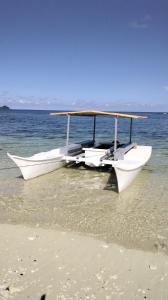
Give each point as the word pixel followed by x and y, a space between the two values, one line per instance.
pixel 82 200
pixel 39 129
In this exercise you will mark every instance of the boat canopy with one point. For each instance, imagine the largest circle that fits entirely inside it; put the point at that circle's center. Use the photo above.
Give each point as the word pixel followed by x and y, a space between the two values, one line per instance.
pixel 96 113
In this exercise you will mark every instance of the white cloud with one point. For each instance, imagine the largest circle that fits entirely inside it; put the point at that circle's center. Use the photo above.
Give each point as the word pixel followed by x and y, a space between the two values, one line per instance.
pixel 34 102
pixel 21 101
pixel 166 88
pixel 142 23
pixel 138 25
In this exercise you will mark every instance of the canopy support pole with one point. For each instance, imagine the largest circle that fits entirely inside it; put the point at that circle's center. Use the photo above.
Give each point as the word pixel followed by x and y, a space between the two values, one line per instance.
pixel 68 126
pixel 131 131
pixel 115 134
pixel 94 129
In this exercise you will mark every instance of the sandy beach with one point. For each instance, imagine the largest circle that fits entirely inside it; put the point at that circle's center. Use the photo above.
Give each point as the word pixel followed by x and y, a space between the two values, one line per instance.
pixel 47 264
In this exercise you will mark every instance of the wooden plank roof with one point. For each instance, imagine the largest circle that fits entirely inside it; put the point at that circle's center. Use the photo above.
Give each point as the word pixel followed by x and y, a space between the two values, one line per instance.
pixel 96 113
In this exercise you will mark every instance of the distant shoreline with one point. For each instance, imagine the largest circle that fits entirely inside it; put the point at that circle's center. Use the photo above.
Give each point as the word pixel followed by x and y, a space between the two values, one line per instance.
pixel 4 107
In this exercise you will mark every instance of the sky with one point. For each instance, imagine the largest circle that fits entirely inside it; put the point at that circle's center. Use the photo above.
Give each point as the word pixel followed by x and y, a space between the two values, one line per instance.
pixel 84 54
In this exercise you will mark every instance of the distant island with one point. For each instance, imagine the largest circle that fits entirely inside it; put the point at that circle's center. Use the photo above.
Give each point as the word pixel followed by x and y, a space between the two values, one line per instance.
pixel 4 107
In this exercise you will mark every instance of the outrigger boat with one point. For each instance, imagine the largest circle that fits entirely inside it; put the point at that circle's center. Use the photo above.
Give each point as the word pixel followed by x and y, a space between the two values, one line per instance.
pixel 126 159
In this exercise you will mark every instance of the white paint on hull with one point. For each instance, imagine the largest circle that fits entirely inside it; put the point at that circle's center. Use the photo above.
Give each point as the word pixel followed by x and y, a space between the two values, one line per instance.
pixel 35 168
pixel 125 178
pixel 42 163
pixel 127 170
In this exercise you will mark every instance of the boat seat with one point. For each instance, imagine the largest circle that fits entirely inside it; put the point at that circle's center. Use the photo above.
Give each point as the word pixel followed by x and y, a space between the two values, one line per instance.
pixel 76 149
pixel 108 154
pixel 107 145
pixel 119 153
pixel 87 143
pixel 103 146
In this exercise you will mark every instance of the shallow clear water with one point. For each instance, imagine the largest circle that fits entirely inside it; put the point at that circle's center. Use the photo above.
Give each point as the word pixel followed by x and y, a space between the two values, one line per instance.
pixel 86 200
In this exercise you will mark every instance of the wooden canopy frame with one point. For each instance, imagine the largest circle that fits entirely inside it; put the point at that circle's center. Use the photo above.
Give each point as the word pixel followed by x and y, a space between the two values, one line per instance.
pixel 94 113
pixel 89 113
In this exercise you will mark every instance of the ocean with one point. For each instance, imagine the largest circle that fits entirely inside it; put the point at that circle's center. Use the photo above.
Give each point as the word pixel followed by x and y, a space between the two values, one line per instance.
pixel 80 200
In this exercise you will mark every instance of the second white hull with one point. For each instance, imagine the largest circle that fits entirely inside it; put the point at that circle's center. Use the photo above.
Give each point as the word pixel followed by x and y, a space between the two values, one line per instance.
pixel 127 170
pixel 125 178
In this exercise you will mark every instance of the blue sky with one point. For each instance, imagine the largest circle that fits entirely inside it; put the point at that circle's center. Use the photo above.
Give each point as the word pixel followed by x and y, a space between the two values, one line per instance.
pixel 80 54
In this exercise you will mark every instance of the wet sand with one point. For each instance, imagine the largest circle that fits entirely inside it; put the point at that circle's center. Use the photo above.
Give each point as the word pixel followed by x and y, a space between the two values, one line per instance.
pixel 48 264
pixel 86 202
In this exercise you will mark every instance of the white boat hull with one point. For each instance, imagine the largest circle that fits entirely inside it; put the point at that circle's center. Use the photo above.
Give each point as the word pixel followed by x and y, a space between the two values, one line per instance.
pixel 42 163
pixel 127 170
pixel 125 178
pixel 32 168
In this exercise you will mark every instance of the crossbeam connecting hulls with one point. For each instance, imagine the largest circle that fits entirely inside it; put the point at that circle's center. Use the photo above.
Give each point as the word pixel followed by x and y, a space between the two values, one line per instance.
pixel 126 168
